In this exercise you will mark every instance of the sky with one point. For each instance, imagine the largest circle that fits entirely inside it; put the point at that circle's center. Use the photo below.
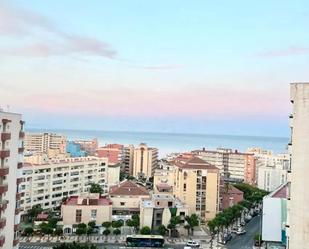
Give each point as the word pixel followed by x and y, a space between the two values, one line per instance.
pixel 213 67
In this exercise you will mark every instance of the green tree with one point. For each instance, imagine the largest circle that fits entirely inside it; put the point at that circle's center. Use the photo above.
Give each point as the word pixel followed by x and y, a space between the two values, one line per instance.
pixel 145 230
pixel 117 224
pixel 96 188
pixel 81 230
pixel 106 232
pixel 74 245
pixel 33 212
pixel 28 232
pixel 46 229
pixel 134 222
pixel 162 230
pixel 192 221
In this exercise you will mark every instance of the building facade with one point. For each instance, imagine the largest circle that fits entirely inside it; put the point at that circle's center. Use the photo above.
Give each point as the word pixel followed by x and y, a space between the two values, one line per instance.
pixel 47 184
pixel 11 160
pixel 48 143
pixel 196 183
pixel 233 165
pixel 145 161
pixel 85 208
pixel 89 146
pixel 230 196
pixel 128 159
pixel 75 149
pixel 298 199
pixel 114 153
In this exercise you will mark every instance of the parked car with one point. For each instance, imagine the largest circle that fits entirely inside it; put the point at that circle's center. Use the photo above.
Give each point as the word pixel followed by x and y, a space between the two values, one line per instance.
pixel 227 237
pixel 240 231
pixel 248 217
pixel 193 244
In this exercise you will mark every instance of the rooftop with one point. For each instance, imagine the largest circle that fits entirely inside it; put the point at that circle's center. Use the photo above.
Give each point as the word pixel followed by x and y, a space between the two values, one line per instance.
pixel 88 201
pixel 193 163
pixel 128 188
pixel 280 192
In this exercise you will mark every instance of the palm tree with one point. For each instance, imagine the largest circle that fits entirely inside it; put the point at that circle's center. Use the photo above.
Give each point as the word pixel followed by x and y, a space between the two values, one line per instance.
pixel 192 221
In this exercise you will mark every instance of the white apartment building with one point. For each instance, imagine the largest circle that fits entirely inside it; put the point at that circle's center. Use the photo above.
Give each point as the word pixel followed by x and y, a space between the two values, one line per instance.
pixel 11 162
pixel 233 165
pixel 145 161
pixel 48 143
pixel 298 200
pixel 47 184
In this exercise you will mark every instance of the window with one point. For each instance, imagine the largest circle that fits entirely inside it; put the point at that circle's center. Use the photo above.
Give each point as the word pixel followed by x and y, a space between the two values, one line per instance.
pixel 93 214
pixel 184 187
pixel 122 203
pixel 79 215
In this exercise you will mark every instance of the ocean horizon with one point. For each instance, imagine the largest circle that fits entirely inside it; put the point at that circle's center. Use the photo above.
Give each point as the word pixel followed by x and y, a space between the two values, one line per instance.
pixel 175 142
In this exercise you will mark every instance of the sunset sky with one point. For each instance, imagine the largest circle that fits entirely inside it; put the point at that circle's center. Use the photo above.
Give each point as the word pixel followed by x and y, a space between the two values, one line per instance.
pixel 214 67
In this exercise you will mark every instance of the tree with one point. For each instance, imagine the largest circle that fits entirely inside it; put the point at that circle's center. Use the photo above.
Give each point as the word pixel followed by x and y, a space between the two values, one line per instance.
pixel 117 224
pixel 46 229
pixel 106 232
pixel 74 245
pixel 162 230
pixel 106 224
pixel 33 212
pixel 174 221
pixel 134 222
pixel 192 221
pixel 96 188
pixel 81 229
pixel 28 232
pixel 145 230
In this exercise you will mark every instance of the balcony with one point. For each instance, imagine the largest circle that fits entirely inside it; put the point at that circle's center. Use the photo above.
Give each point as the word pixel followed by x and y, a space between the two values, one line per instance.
pixel 18 196
pixel 3 188
pixel 21 150
pixel 15 242
pixel 3 205
pixel 4 171
pixel 20 165
pixel 5 120
pixel 2 223
pixel 20 180
pixel 4 153
pixel 2 240
pixel 17 211
pixel 21 135
pixel 5 136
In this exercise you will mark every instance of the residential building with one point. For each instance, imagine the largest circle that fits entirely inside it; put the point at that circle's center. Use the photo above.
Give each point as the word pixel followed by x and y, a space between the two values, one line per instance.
pixel 196 183
pixel 85 208
pixel 163 180
pixel 298 202
pixel 89 146
pixel 75 149
pixel 48 183
pixel 126 198
pixel 233 165
pixel 158 210
pixel 128 159
pixel 48 143
pixel 113 176
pixel 145 161
pixel 230 196
pixel 274 218
pixel 114 153
pixel 11 162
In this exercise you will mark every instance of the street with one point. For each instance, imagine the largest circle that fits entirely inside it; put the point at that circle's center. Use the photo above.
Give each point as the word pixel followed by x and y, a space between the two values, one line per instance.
pixel 246 241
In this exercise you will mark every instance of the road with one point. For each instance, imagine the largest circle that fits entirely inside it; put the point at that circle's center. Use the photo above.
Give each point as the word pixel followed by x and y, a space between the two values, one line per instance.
pixel 246 241
pixel 100 246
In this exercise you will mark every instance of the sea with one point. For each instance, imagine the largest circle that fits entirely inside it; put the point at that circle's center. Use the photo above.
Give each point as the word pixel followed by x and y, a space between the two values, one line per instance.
pixel 175 142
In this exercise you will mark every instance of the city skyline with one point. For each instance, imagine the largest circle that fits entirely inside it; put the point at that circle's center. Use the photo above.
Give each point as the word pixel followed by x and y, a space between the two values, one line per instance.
pixel 159 66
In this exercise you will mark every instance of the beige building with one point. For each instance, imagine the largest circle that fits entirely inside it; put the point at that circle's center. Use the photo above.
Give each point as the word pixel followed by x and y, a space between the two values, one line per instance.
pixel 163 180
pixel 126 198
pixel 157 210
pixel 298 200
pixel 11 162
pixel 196 183
pixel 48 143
pixel 85 208
pixel 145 161
pixel 128 159
pixel 233 165
pixel 113 174
pixel 48 183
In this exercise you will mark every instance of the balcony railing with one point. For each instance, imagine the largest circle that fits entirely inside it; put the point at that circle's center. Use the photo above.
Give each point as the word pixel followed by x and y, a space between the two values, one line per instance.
pixel 2 240
pixel 4 171
pixel 5 136
pixel 2 223
pixel 3 188
pixel 4 153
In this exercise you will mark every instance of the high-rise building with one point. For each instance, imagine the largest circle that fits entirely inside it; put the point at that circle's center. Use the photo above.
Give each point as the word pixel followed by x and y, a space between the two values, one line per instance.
pixel 11 160
pixel 90 146
pixel 114 153
pixel 233 165
pixel 196 183
pixel 298 200
pixel 128 159
pixel 75 150
pixel 48 183
pixel 145 161
pixel 47 143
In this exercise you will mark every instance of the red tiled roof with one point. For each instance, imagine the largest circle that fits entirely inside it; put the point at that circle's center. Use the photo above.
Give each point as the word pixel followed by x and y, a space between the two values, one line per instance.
pixel 128 188
pixel 193 163
pixel 42 217
pixel 101 201
pixel 163 186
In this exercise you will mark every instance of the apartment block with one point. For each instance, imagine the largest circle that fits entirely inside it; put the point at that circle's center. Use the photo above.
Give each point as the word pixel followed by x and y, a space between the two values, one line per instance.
pixel 89 146
pixel 163 180
pixel 48 183
pixel 233 165
pixel 128 159
pixel 85 208
pixel 114 153
pixel 145 161
pixel 48 143
pixel 196 183
pixel 298 198
pixel 156 211
pixel 75 149
pixel 11 163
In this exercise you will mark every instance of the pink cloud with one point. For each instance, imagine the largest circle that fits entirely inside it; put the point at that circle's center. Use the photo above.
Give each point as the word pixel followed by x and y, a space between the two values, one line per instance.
pixel 285 52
